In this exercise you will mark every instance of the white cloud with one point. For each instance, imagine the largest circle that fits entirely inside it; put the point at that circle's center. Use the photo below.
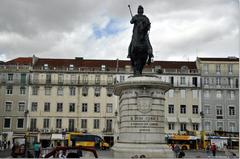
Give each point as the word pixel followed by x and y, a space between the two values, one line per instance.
pixel 65 28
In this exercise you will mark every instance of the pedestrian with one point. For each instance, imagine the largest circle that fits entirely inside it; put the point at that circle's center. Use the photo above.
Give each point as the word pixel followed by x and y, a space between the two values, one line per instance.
pixel 176 150
pixel 181 154
pixel 5 145
pixel 226 150
pixel 8 144
pixel 208 150
pixel 172 147
pixel 0 144
pixel 37 148
pixel 213 149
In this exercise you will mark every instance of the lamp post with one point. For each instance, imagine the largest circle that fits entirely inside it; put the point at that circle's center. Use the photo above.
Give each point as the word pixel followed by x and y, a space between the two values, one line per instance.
pixel 26 133
pixel 202 131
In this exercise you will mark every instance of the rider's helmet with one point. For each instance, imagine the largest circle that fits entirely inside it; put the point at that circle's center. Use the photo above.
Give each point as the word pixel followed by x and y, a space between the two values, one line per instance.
pixel 140 9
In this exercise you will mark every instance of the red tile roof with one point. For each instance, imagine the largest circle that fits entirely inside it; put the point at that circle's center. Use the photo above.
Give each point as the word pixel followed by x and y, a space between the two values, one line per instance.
pixel 20 61
pixel 64 63
pixel 219 59
pixel 175 64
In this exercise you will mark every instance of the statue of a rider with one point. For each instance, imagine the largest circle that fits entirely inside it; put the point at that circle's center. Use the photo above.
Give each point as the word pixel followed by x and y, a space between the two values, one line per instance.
pixel 140 21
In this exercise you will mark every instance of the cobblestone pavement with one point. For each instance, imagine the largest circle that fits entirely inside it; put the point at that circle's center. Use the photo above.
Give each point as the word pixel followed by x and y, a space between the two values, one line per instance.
pixel 109 154
pixel 188 154
pixel 5 153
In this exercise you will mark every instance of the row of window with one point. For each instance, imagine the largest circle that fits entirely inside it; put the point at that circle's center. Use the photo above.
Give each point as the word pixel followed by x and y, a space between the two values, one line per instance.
pixel 84 108
pixel 183 81
pixel 220 81
pixel 9 105
pixel 183 126
pixel 183 109
pixel 72 91
pixel 219 94
pixel 172 93
pixel 96 125
pixel 9 90
pixel 206 93
pixel 73 78
pixel 23 77
pixel 207 126
pixel 217 68
pixel 232 127
pixel 219 110
pixel 46 123
pixel 71 124
pixel 7 123
pixel 34 107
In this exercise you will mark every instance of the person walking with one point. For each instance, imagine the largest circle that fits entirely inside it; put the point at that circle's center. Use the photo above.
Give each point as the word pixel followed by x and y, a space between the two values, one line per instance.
pixel 226 150
pixel 208 150
pixel 176 150
pixel 213 149
pixel 5 145
pixel 0 145
pixel 9 144
pixel 37 148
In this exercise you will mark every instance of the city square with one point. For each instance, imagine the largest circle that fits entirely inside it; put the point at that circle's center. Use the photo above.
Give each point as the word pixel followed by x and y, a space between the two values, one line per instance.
pixel 143 80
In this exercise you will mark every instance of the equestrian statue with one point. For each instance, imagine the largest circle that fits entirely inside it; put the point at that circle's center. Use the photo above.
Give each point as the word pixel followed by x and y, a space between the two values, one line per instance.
pixel 140 50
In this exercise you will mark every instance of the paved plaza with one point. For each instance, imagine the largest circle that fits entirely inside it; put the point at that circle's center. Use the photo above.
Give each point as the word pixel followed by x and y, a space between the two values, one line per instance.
pixel 109 154
pixel 189 154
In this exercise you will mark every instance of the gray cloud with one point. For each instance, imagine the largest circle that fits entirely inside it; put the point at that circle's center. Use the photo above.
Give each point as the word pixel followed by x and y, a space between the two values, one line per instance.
pixel 64 28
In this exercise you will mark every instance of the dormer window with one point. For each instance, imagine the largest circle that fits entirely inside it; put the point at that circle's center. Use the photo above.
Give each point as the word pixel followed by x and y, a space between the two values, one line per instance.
pixel 45 66
pixel 184 69
pixel 158 69
pixel 71 67
pixel 103 67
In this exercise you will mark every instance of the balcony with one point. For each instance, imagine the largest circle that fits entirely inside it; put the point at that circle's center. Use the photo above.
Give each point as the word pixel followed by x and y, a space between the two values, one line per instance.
pixel 15 81
pixel 108 131
pixel 179 71
pixel 222 86
pixel 68 82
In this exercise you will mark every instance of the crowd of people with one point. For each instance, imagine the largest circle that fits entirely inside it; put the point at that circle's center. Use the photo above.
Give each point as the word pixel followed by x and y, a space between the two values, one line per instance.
pixel 211 150
pixel 178 151
pixel 5 145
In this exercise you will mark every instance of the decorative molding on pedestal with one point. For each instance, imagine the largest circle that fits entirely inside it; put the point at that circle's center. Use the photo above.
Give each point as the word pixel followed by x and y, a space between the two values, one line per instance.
pixel 141 112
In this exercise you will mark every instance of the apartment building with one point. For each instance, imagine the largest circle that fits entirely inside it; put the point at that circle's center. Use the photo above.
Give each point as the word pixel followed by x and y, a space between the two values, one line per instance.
pixel 183 101
pixel 48 97
pixel 14 76
pixel 220 93
pixel 69 95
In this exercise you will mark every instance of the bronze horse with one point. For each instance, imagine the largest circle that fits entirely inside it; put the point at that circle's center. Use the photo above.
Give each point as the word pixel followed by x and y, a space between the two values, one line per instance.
pixel 140 49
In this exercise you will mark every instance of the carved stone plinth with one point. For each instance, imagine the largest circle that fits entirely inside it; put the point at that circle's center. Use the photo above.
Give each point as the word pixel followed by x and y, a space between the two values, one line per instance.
pixel 141 112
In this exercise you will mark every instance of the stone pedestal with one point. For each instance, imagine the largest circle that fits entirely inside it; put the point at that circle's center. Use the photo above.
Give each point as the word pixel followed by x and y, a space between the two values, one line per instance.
pixel 141 111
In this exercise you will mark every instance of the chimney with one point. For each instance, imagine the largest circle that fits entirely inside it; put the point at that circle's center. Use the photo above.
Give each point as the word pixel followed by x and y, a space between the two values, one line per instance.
pixel 34 60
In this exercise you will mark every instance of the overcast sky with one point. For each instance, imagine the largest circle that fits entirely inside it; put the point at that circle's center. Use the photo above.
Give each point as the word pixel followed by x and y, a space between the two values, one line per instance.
pixel 100 29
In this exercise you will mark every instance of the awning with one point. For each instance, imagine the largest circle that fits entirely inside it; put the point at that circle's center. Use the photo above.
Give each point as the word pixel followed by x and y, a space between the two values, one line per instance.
pixel 57 137
pixel 172 119
pixel 196 120
pixel 194 137
pixel 183 120
pixel 45 137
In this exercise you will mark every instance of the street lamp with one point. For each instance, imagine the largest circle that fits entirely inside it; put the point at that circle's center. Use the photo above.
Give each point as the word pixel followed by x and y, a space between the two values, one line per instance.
pixel 26 133
pixel 202 132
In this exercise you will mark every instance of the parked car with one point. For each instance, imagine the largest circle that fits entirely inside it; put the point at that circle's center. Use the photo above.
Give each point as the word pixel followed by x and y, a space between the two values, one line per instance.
pixel 71 152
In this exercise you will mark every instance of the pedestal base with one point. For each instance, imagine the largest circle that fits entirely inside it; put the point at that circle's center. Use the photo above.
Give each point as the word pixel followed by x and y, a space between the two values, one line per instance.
pixel 131 150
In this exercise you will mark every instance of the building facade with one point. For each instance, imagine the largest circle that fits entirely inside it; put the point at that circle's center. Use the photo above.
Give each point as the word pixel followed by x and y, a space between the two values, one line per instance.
pixel 54 96
pixel 220 93
pixel 72 95
pixel 14 77
pixel 183 101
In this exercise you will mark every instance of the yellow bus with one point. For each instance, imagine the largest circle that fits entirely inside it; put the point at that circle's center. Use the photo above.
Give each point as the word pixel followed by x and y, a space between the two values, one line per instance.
pixel 87 140
pixel 185 142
